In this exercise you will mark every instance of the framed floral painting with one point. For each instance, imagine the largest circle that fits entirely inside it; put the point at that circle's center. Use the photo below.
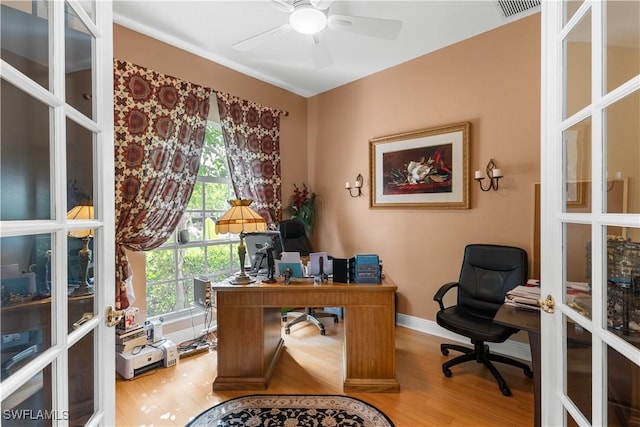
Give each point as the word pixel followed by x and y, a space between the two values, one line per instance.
pixel 427 168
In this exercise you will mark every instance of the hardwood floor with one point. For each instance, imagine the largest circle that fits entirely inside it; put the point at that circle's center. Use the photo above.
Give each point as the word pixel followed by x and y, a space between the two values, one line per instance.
pixel 312 363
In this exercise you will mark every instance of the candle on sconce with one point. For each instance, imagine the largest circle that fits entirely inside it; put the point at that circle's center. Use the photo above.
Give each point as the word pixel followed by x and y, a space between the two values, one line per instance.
pixel 478 175
pixel 497 173
pixel 358 184
pixel 347 185
pixel 618 175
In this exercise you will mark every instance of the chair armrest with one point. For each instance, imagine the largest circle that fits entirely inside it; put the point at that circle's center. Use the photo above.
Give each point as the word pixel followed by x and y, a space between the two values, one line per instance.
pixel 442 291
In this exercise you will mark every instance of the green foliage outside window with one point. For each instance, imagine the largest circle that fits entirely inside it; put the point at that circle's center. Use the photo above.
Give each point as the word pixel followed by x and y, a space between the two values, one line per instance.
pixel 172 267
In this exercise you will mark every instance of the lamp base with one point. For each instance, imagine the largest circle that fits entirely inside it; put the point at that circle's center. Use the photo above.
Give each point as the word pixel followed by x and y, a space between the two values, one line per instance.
pixel 241 279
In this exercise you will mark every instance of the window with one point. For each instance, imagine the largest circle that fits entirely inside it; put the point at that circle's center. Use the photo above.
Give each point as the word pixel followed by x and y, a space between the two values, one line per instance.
pixel 195 249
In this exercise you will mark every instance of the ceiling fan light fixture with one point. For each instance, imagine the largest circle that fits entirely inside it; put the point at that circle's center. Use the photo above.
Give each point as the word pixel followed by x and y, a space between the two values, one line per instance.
pixel 308 20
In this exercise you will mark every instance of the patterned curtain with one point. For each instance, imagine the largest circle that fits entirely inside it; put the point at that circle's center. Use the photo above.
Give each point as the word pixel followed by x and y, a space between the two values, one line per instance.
pixel 159 133
pixel 252 140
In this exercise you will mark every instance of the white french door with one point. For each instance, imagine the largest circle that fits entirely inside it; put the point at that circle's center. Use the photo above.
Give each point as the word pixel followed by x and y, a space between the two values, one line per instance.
pixel 57 269
pixel 590 222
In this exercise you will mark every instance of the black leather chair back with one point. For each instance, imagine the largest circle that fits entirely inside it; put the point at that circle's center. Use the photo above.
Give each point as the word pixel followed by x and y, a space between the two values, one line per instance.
pixel 294 237
pixel 488 273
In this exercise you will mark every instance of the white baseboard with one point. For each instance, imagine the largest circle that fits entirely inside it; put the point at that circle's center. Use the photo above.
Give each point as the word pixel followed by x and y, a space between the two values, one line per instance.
pixel 510 348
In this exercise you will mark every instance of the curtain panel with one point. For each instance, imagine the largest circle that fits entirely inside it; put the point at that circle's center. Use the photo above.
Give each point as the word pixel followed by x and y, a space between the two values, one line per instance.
pixel 159 133
pixel 251 135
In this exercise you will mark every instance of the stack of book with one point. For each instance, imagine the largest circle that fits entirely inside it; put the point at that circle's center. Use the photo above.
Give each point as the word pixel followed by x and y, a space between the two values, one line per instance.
pixel 130 339
pixel 526 297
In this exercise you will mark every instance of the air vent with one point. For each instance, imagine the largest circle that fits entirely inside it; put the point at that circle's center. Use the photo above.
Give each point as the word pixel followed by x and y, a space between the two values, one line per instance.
pixel 510 8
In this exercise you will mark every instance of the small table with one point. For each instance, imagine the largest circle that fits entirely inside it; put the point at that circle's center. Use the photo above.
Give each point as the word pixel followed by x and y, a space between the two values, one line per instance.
pixel 526 320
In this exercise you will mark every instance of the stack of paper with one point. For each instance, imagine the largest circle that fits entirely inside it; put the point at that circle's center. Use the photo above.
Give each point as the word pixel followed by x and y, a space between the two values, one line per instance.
pixel 524 297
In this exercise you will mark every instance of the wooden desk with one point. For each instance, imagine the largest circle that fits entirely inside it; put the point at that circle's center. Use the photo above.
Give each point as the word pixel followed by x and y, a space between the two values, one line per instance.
pixel 526 320
pixel 250 340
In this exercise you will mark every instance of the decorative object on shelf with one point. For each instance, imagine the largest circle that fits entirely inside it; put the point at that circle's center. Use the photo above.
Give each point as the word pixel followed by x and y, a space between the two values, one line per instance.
pixel 302 206
pixel 493 173
pixel 80 212
pixel 241 219
pixel 623 283
pixel 357 185
pixel 427 168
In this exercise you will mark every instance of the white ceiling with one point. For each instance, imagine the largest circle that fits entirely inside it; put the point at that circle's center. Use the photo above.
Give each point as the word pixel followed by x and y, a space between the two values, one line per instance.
pixel 210 28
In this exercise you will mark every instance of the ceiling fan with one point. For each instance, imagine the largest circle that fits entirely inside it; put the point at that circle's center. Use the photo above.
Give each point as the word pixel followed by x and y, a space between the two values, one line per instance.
pixel 310 17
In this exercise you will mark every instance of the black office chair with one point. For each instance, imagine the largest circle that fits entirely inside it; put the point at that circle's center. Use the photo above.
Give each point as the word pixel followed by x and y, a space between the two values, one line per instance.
pixel 488 273
pixel 294 239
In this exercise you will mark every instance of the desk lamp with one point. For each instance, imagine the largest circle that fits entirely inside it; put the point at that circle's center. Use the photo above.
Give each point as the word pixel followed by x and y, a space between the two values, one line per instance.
pixel 83 211
pixel 241 219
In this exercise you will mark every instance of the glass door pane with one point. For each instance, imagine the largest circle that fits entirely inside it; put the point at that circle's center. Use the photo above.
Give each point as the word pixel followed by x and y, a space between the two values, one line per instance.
pixel 622 151
pixel 78 62
pixel 577 166
pixel 622 42
pixel 579 367
pixel 577 57
pixel 24 39
pixel 25 184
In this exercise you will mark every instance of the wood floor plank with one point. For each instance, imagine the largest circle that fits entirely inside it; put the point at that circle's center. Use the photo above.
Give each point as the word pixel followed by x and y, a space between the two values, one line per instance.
pixel 312 363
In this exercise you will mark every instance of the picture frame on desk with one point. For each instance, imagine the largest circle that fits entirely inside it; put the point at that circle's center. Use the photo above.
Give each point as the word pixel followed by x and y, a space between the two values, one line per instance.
pixel 426 168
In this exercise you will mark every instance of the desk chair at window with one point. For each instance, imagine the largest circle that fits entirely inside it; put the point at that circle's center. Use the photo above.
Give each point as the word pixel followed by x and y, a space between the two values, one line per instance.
pixel 294 239
pixel 488 273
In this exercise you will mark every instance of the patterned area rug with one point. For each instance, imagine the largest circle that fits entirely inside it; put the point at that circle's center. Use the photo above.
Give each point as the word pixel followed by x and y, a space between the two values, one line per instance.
pixel 292 410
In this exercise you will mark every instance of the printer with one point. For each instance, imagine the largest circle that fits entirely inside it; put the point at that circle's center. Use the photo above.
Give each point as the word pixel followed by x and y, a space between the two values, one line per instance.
pixel 151 356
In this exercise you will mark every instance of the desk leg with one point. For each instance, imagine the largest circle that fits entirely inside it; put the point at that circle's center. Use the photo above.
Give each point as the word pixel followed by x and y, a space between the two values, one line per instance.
pixel 249 345
pixel 534 344
pixel 369 349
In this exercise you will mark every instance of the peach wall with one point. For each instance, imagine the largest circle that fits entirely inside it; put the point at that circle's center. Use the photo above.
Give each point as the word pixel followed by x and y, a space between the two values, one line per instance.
pixel 492 81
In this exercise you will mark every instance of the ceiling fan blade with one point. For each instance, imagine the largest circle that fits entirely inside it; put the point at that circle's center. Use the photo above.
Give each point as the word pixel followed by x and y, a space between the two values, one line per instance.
pixel 372 27
pixel 321 4
pixel 320 54
pixel 254 41
pixel 283 5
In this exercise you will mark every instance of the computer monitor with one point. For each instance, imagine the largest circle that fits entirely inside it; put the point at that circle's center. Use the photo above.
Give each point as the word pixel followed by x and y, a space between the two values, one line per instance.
pixel 258 244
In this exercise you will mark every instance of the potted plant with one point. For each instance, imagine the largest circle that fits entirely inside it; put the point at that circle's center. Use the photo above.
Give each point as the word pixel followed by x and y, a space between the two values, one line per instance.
pixel 302 206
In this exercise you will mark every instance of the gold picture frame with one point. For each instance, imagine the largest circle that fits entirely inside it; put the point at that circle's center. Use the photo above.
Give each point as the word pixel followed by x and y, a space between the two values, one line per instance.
pixel 426 168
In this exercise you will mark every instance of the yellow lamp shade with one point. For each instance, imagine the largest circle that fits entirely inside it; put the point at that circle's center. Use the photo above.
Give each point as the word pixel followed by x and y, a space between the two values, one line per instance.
pixel 82 211
pixel 240 218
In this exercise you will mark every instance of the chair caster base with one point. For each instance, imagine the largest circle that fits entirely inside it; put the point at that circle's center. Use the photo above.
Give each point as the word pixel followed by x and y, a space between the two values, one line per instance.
pixel 528 372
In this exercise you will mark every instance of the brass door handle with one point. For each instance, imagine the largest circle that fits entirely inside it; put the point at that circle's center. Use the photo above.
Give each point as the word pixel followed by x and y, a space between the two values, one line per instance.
pixel 548 304
pixel 579 309
pixel 113 316
pixel 85 318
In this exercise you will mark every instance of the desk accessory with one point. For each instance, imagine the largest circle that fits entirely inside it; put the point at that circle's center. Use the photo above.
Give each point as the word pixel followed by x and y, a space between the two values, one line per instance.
pixel 241 219
pixel 365 268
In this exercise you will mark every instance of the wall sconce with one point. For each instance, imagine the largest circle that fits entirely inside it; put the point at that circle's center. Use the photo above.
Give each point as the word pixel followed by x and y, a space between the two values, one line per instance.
pixel 357 185
pixel 493 173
